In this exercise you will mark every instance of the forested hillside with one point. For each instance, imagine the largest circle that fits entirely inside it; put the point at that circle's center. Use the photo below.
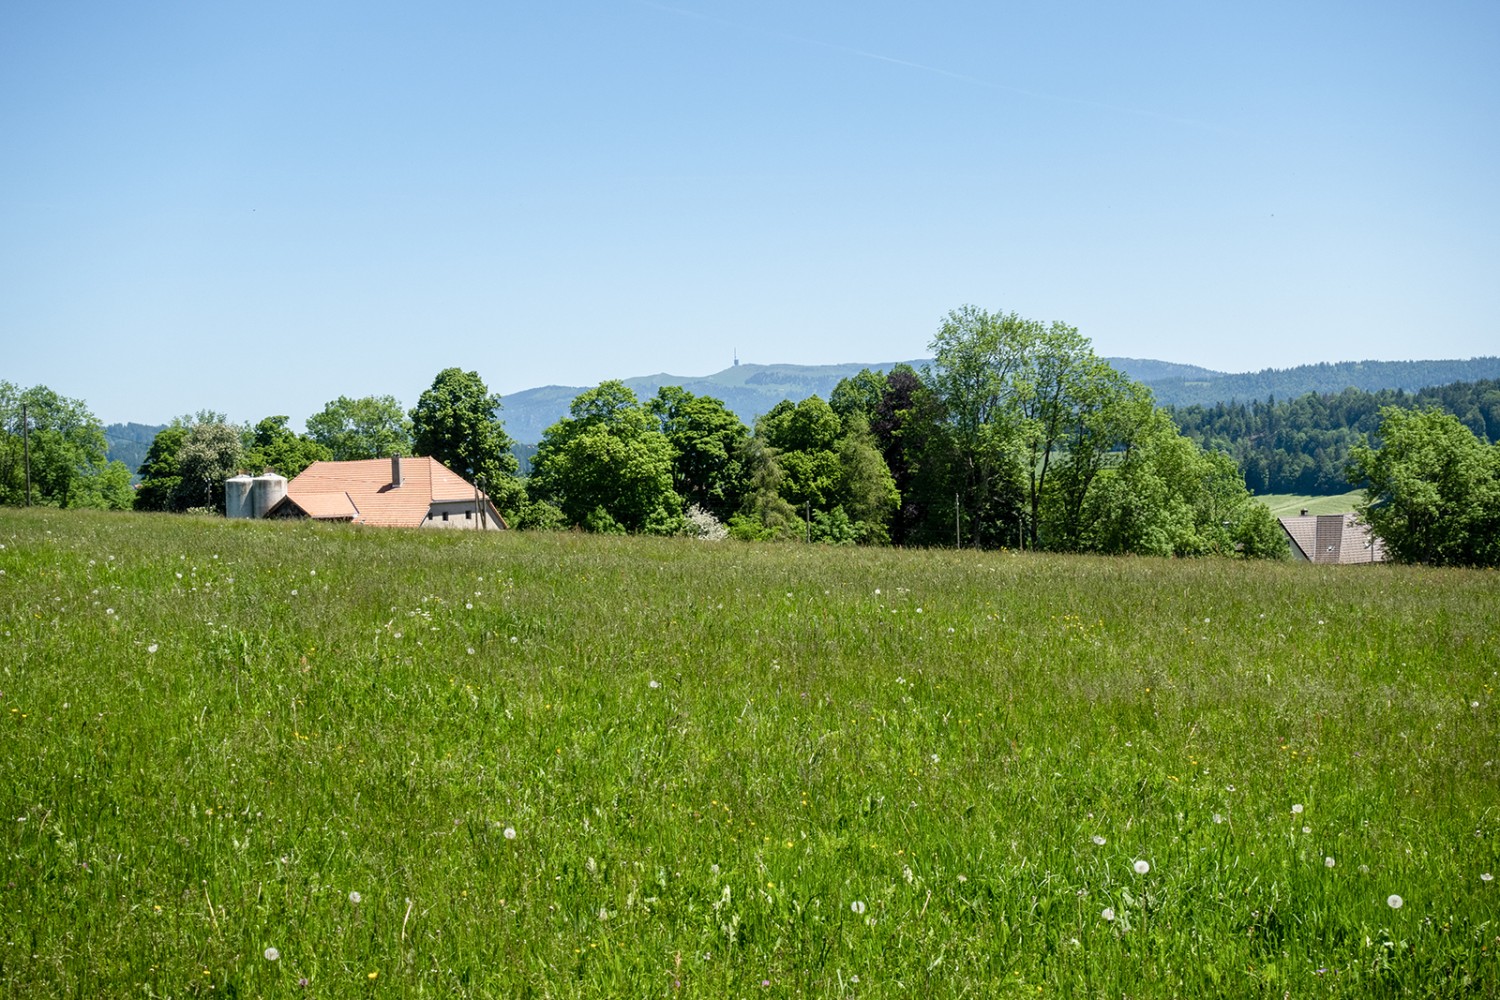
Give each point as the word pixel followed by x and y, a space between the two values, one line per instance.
pixel 1285 383
pixel 1302 445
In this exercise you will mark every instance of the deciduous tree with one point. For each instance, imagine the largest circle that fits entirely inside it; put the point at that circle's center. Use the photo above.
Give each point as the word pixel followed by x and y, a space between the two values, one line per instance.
pixel 457 421
pixel 368 427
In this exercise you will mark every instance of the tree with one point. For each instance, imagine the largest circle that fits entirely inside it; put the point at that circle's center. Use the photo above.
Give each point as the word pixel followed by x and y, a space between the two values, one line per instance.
pixel 456 421
pixel 368 427
pixel 708 440
pixel 1432 490
pixel 608 466
pixel 161 477
pixel 65 441
pixel 210 453
pixel 272 445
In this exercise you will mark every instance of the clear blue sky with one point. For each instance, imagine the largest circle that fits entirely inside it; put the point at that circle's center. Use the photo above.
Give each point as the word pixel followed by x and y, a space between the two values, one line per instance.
pixel 259 207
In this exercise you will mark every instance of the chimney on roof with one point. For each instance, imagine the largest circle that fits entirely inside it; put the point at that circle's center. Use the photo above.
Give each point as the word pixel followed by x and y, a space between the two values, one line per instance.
pixel 1304 511
pixel 395 470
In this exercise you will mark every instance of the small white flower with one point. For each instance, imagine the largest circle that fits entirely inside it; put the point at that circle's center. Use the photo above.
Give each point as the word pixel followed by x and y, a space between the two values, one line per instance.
pixel 471 650
pixel 603 913
pixel 355 897
pixel 654 684
pixel 1218 818
pixel 1108 914
pixel 272 954
pixel 1098 840
pixel 1486 877
pixel 1297 809
pixel 468 606
pixel 1394 901
pixel 514 640
pixel 312 572
pixel 919 611
pixel 1142 867
pixel 713 869
pixel 510 833
pixel 1473 704
pixel 152 648
pixel 1328 862
pixel 1207 620
pixel 1307 829
pixel 294 591
pixel 857 907
pixel 109 611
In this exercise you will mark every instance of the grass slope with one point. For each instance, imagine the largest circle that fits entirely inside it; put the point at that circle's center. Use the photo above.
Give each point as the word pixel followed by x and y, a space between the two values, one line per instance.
pixel 1292 504
pixel 421 764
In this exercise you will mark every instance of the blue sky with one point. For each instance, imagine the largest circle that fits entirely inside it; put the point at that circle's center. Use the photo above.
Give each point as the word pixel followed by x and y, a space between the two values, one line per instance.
pixel 256 208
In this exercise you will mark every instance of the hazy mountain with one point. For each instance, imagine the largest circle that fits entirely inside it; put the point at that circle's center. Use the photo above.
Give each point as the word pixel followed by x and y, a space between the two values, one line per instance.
pixel 750 390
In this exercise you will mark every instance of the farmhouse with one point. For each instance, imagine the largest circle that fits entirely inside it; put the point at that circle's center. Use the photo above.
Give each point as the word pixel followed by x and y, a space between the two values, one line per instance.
pixel 395 492
pixel 1332 538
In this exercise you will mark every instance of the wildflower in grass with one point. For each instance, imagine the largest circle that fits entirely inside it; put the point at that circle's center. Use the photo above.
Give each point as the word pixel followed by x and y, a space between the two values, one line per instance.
pixel 1296 809
pixel 1142 867
pixel 373 975
pixel 510 833
pixel 272 954
pixel 713 869
pixel 857 908
pixel 1108 914
pixel 1307 829
pixel 1218 818
pixel 1098 840
pixel 151 648
pixel 1394 901
pixel 355 897
pixel 654 684
pixel 1328 862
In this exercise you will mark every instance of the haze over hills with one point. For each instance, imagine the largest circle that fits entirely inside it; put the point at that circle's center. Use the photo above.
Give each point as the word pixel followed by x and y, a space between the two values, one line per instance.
pixel 750 389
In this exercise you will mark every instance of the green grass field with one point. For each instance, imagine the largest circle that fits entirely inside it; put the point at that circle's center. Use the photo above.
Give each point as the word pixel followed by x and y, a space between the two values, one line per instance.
pixel 1291 504
pixel 280 759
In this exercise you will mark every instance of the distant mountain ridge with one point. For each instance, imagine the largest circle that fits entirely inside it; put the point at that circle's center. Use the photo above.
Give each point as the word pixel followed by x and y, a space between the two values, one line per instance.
pixel 750 390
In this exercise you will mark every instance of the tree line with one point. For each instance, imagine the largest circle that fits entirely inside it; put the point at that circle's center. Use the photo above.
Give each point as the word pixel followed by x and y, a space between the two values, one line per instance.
pixel 1015 435
pixel 1305 445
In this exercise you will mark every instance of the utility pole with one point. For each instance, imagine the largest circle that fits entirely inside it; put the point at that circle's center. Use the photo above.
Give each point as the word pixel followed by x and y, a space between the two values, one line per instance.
pixel 809 522
pixel 958 542
pixel 478 509
pixel 26 446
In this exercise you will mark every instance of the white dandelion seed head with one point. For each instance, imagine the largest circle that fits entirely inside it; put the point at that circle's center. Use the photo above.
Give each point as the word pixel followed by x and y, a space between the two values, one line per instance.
pixel 654 684
pixel 109 611
pixel 1296 809
pixel 355 897
pixel 152 648
pixel 1307 829
pixel 1473 704
pixel 1394 901
pixel 1328 862
pixel 1364 869
pixel 471 650
pixel 294 591
pixel 1098 840
pixel 1108 914
pixel 1486 877
pixel 1142 867
pixel 510 833
pixel 514 639
pixel 603 913
pixel 272 954
pixel 713 869
pixel 857 907
pixel 1218 818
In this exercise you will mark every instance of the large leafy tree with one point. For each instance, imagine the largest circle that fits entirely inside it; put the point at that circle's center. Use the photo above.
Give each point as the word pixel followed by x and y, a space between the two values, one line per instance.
pixel 368 427
pixel 211 452
pixel 608 466
pixel 457 422
pixel 66 444
pixel 160 474
pixel 709 442
pixel 273 445
pixel 1432 489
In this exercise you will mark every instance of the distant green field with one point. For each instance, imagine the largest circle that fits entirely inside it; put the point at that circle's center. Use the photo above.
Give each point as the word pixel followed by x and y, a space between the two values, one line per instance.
pixel 1290 504
pixel 280 759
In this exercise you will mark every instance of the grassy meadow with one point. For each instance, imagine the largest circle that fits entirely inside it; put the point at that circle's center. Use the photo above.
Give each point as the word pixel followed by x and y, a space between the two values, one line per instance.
pixel 1292 504
pixel 281 759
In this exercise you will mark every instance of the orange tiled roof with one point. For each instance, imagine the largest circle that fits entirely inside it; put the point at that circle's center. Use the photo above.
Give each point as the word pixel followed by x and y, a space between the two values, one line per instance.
pixel 329 489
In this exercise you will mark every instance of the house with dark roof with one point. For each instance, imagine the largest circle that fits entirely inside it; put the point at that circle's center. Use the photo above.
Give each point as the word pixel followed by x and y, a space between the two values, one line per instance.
pixel 388 492
pixel 1332 538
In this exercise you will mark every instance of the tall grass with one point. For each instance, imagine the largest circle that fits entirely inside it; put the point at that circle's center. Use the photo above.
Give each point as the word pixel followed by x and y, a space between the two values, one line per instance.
pixel 563 766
